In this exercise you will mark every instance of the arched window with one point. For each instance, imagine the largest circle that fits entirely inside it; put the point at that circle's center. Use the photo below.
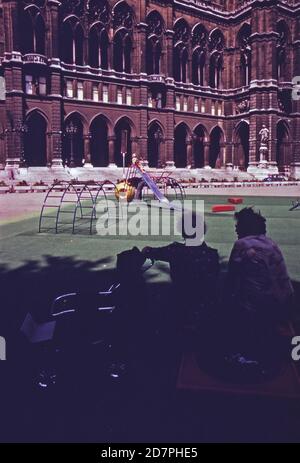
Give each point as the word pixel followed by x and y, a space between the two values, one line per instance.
pixel 67 43
pixel 98 47
pixel 39 35
pixel 72 38
pixel 73 149
pixel 33 31
pixel 94 45
pixel 241 155
pixel 216 43
pixel 245 54
pixel 35 140
pixel 198 66
pixel 282 42
pixel 181 57
pixel 103 49
pixel 283 152
pixel 99 142
pixel 180 63
pixel 198 146
pixel 153 56
pixel 78 39
pixel 199 44
pixel 215 70
pixel 122 51
pixel 180 146
pixel 122 44
pixel 216 137
pixel 155 138
pixel 123 132
pixel 155 29
pixel 127 53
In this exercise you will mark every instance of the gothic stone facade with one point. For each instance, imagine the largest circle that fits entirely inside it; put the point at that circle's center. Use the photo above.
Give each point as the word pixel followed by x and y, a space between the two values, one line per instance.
pixel 181 82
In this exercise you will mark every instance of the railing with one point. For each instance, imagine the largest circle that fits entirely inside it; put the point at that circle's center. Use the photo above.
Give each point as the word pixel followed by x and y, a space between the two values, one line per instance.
pixel 239 184
pixel 35 58
pixel 157 78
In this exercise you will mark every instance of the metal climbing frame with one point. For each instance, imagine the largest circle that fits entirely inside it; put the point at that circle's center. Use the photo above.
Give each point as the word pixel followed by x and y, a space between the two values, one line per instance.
pixel 77 200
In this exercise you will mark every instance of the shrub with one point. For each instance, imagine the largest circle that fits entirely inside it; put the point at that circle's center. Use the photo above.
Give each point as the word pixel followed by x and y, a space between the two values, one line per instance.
pixel 40 183
pixel 22 183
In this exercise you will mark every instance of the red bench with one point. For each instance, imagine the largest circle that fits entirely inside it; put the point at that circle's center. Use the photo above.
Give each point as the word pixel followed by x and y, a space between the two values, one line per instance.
pixel 235 200
pixel 223 208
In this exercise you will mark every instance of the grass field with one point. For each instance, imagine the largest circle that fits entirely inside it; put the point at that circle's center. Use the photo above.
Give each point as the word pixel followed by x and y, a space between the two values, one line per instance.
pixel 21 243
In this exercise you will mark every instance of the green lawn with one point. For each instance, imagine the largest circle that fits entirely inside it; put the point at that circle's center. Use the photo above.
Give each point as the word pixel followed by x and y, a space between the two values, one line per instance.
pixel 21 243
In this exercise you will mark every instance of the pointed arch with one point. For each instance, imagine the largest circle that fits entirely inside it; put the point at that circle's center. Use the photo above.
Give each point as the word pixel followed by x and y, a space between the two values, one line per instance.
pixel 241 137
pixel 155 138
pixel 181 134
pixel 281 48
pixel 73 149
pixel 123 124
pixel 67 42
pixel 200 136
pixel 283 147
pixel 98 46
pixel 215 70
pixel 35 140
pixel 244 44
pixel 155 31
pixel 78 40
pixel 216 138
pixel 198 66
pixel 39 32
pixel 122 50
pixel 99 141
pixel 32 31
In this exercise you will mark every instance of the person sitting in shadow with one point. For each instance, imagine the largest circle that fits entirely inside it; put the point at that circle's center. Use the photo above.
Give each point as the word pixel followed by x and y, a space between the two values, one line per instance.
pixel 258 290
pixel 194 270
pixel 128 319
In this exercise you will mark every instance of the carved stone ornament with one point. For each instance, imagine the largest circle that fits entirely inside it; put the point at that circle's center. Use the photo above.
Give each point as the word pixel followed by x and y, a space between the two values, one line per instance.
pixel 123 16
pixel 181 32
pixel 199 37
pixel 242 106
pixel 73 7
pixel 98 10
pixel 216 41
pixel 155 24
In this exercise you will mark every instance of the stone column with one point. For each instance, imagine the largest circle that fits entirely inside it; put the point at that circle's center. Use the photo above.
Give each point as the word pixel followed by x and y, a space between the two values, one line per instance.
pixel 55 148
pixel 189 152
pixel 54 47
pixel 223 155
pixel 87 150
pixel 206 154
pixel 134 146
pixel 169 52
pixel 110 50
pixel 111 151
pixel 162 153
pixel 11 25
pixel 141 48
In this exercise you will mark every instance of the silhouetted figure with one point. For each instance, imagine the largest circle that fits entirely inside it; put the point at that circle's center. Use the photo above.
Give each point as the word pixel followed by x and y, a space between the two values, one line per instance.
pixel 258 287
pixel 194 272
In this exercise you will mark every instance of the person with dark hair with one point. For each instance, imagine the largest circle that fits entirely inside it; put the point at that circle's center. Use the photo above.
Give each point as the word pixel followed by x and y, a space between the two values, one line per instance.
pixel 258 284
pixel 194 271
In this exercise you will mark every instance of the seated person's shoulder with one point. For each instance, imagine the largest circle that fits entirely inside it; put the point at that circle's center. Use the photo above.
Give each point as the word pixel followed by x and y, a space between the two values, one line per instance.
pixel 204 248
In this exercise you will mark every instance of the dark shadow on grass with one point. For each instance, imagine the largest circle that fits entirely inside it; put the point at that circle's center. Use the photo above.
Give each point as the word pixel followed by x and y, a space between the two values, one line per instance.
pixel 90 407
